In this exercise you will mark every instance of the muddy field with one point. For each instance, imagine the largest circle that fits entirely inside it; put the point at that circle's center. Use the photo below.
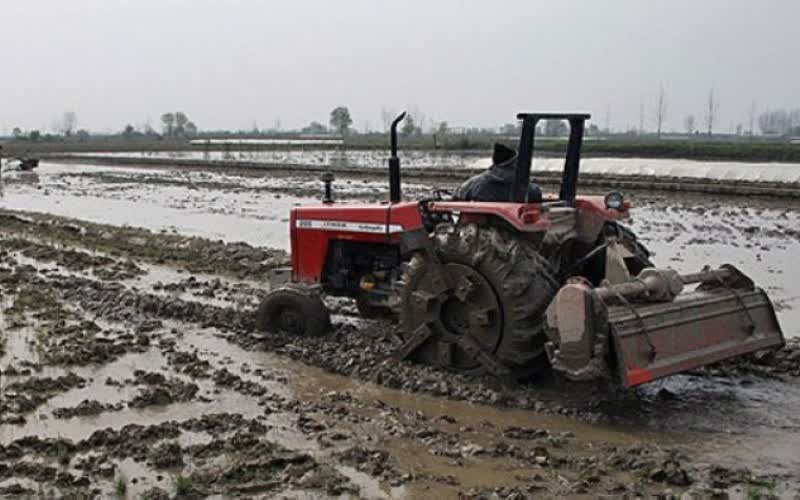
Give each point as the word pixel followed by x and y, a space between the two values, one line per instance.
pixel 130 363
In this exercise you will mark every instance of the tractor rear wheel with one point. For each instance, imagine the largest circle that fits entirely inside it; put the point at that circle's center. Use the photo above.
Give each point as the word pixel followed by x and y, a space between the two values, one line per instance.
pixel 293 309
pixel 501 289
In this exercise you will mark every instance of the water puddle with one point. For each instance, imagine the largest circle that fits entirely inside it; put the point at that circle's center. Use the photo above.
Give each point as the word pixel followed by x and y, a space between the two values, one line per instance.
pixel 322 157
pixel 260 219
pixel 761 242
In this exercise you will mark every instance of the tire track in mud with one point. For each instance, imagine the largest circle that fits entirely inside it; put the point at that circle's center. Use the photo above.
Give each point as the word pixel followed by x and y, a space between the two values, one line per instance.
pixel 358 350
pixel 361 353
pixel 98 456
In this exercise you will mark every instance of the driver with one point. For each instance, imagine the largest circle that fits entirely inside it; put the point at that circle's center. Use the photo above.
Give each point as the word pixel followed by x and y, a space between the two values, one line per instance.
pixel 495 184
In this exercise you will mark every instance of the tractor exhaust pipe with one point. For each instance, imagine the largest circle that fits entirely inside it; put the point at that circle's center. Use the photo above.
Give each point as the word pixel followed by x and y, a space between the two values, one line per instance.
pixel 394 162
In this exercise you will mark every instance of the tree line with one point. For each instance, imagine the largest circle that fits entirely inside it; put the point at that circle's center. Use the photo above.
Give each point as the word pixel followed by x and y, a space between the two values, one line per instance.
pixel 772 122
pixel 177 125
pixel 174 125
pixel 64 127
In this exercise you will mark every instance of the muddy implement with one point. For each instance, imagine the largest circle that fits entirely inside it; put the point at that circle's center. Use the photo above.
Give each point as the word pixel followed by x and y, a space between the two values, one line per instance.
pixel 648 328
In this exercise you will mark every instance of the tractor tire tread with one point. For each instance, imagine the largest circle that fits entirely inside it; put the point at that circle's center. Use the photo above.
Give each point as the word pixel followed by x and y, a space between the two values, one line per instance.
pixel 316 316
pixel 522 278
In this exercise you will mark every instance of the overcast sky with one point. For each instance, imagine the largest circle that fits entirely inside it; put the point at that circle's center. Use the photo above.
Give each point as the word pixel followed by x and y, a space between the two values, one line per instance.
pixel 229 64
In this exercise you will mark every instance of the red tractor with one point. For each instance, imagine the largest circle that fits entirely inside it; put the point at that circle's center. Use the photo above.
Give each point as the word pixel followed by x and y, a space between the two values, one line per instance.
pixel 516 286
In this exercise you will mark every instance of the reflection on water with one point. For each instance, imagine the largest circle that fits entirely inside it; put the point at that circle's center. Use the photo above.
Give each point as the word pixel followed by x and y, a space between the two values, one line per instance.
pixel 333 157
pixel 257 218
pixel 685 232
pixel 720 170
pixel 654 167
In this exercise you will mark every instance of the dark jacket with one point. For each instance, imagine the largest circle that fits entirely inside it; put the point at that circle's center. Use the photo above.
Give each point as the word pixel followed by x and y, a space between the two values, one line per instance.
pixel 495 184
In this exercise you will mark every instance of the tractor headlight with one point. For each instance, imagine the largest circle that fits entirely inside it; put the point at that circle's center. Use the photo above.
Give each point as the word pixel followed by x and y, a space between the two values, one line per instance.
pixel 615 200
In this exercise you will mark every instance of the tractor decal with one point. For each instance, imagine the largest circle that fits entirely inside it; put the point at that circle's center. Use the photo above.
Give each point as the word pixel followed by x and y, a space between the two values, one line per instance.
pixel 353 227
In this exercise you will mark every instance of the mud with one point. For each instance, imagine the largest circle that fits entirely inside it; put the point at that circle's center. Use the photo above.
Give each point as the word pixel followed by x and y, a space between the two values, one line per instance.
pixel 191 254
pixel 153 378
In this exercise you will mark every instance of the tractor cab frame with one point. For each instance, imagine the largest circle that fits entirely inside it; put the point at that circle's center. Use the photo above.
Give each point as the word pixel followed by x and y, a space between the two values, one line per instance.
pixel 569 179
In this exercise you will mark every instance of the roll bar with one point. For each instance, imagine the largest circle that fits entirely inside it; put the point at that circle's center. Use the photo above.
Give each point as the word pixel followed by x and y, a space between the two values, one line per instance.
pixel 569 179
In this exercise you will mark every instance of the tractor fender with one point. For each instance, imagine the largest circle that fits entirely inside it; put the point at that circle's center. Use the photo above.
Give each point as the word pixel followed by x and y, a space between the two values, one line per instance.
pixel 524 217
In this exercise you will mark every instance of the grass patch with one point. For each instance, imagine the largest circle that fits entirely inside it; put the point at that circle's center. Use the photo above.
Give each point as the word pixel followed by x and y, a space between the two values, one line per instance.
pixel 62 454
pixel 121 486
pixel 761 488
pixel 183 485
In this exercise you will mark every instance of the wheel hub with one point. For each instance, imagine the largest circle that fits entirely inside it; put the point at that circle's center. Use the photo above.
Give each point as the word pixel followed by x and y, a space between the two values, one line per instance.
pixel 290 321
pixel 471 308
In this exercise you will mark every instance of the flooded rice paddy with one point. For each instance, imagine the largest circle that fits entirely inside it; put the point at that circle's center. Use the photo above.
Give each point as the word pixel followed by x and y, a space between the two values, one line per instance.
pixel 478 160
pixel 686 232
pixel 130 365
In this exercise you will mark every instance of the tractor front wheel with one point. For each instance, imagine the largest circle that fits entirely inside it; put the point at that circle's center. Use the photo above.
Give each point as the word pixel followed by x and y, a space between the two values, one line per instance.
pixel 293 309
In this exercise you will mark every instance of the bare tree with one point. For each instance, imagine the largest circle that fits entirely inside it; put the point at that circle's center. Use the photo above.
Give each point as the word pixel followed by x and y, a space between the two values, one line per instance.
pixel 688 123
pixel 440 135
pixel 387 115
pixel 423 122
pixel 513 129
pixel 69 122
pixel 712 107
pixel 780 122
pixel 409 126
pixel 168 121
pixel 751 117
pixel 661 110
pixel 180 122
pixel 641 117
pixel 555 128
pixel 417 117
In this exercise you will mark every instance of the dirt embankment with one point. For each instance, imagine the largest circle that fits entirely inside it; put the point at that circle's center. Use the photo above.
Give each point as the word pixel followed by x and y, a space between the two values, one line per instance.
pixel 158 386
pixel 192 254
